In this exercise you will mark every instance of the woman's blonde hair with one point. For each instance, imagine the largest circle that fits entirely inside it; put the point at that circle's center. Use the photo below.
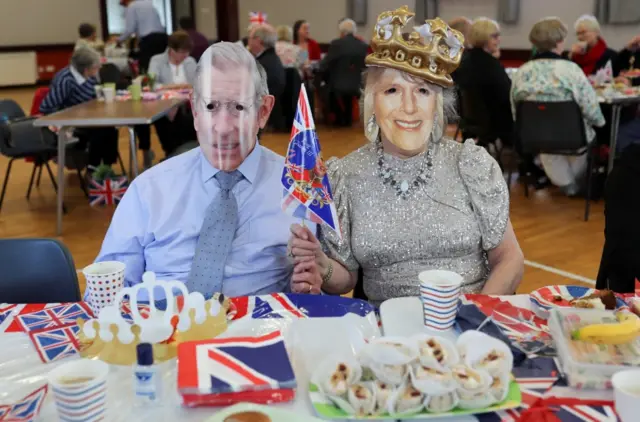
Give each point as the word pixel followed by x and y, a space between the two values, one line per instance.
pixel 285 33
pixel 445 102
pixel 588 21
pixel 547 33
pixel 481 30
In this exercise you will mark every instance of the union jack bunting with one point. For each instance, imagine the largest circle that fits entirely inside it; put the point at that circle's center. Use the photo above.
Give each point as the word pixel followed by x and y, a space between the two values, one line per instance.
pixel 536 377
pixel 257 18
pixel 107 192
pixel 291 305
pixel 55 316
pixel 234 365
pixel 306 191
pixel 56 343
pixel 26 409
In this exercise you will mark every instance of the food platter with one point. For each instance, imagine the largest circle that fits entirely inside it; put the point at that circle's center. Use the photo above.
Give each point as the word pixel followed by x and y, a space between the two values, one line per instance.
pixel 419 377
pixel 558 296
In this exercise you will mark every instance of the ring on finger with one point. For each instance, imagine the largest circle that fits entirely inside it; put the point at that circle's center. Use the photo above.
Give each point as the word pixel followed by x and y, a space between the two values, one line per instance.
pixel 310 288
pixel 291 255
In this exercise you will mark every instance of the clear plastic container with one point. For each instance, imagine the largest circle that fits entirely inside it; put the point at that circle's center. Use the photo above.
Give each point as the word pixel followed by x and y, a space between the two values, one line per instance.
pixel 589 365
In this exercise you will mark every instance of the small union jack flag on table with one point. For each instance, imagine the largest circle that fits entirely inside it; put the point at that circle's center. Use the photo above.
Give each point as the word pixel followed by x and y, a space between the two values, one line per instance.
pixel 108 192
pixel 25 409
pixel 236 369
pixel 56 343
pixel 56 316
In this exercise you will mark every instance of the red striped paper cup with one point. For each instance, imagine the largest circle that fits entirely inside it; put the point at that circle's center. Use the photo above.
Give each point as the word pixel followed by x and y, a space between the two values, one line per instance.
pixel 80 390
pixel 440 295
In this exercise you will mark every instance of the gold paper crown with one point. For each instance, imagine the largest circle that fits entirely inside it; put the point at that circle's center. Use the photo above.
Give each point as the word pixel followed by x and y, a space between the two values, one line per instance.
pixel 112 339
pixel 431 52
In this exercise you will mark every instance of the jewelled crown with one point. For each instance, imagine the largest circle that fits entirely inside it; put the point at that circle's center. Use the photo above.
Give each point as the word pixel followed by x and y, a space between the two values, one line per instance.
pixel 431 51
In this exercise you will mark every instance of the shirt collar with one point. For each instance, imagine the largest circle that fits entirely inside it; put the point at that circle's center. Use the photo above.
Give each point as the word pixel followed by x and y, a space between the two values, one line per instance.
pixel 77 76
pixel 248 168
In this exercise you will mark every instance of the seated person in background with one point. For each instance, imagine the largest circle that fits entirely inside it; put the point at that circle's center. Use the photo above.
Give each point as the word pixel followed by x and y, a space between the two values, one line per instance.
pixel 628 59
pixel 590 52
pixel 88 38
pixel 174 69
pixel 302 39
pixel 342 69
pixel 199 41
pixel 413 199
pixel 211 217
pixel 549 77
pixel 73 85
pixel 262 43
pixel 290 54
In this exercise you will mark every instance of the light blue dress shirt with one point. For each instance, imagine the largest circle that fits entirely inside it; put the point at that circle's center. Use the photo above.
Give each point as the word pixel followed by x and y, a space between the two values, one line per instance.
pixel 157 223
pixel 141 19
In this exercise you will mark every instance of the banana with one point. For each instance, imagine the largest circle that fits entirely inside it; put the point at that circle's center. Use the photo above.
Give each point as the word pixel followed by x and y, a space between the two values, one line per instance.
pixel 626 330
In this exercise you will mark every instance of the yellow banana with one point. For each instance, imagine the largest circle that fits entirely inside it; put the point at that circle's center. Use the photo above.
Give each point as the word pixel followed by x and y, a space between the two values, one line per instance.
pixel 626 330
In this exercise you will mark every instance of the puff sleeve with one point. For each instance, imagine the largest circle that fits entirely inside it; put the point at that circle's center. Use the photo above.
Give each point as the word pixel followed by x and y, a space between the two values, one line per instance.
pixel 487 190
pixel 339 250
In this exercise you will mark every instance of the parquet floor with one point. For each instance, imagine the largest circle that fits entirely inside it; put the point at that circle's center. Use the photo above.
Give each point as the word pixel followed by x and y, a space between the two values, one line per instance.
pixel 549 226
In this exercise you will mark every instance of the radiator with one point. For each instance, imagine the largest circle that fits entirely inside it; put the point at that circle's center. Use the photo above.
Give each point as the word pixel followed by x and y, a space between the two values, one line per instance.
pixel 18 68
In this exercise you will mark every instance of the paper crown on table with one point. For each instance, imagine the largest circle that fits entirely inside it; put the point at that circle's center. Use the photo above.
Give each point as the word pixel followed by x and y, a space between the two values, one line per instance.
pixel 431 51
pixel 188 317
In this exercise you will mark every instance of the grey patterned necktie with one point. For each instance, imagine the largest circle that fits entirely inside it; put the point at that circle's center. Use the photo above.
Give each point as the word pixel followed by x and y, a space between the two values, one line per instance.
pixel 216 235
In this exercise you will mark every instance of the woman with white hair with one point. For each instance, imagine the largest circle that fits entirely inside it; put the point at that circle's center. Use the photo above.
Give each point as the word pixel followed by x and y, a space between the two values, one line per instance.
pixel 590 52
pixel 550 77
pixel 290 54
pixel 413 199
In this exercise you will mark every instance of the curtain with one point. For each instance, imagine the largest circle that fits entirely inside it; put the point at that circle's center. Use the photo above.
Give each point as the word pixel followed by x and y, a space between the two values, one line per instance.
pixel 509 11
pixel 425 9
pixel 618 12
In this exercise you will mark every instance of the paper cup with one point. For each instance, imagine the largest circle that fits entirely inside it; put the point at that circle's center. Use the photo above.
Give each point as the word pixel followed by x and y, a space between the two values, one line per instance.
pixel 98 90
pixel 440 295
pixel 104 281
pixel 626 393
pixel 80 390
pixel 109 94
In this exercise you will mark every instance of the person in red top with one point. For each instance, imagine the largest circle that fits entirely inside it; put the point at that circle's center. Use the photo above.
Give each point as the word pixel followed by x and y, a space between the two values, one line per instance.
pixel 301 38
pixel 590 52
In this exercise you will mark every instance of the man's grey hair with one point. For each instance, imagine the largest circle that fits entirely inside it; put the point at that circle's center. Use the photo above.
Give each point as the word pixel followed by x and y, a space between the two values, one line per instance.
pixel 347 26
pixel 267 35
pixel 85 58
pixel 227 55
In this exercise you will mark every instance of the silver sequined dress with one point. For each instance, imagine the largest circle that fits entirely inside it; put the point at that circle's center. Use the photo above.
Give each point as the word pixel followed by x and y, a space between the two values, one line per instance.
pixel 449 223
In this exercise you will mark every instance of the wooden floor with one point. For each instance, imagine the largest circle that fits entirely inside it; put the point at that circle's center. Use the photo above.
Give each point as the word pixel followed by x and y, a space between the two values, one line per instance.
pixel 548 225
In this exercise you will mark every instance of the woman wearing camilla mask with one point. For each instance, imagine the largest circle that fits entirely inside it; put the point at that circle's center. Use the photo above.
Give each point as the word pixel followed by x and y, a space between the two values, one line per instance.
pixel 411 199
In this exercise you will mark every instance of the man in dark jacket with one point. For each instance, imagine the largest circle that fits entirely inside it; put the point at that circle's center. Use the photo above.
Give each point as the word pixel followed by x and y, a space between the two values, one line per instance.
pixel 342 69
pixel 262 42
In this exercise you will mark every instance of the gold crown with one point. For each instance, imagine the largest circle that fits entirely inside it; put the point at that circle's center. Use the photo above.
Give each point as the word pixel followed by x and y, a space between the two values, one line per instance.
pixel 431 52
pixel 188 317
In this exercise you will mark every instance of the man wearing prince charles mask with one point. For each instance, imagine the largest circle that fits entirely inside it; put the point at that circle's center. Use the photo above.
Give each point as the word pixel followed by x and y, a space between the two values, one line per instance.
pixel 211 217
pixel 412 199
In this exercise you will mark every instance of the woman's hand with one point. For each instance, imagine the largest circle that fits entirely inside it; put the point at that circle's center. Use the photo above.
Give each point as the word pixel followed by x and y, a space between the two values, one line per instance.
pixel 578 48
pixel 306 278
pixel 304 246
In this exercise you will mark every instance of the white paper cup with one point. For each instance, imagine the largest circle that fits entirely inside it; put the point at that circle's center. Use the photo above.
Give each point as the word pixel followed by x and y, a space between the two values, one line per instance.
pixel 104 281
pixel 440 295
pixel 80 390
pixel 98 90
pixel 626 393
pixel 109 94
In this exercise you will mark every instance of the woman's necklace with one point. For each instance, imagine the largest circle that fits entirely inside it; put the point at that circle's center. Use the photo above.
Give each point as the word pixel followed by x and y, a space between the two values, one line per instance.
pixel 404 188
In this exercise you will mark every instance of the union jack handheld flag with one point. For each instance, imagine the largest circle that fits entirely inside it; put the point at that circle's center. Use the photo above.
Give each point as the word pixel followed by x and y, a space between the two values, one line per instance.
pixel 107 192
pixel 258 18
pixel 306 189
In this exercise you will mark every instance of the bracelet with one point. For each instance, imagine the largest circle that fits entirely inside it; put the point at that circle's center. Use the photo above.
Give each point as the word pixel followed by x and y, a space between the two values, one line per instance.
pixel 327 276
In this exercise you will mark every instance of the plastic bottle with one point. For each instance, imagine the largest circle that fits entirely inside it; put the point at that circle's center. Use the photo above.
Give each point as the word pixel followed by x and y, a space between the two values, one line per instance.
pixel 146 377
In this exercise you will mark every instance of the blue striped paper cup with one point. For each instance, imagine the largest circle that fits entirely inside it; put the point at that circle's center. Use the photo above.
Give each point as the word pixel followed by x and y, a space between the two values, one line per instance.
pixel 80 390
pixel 440 295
